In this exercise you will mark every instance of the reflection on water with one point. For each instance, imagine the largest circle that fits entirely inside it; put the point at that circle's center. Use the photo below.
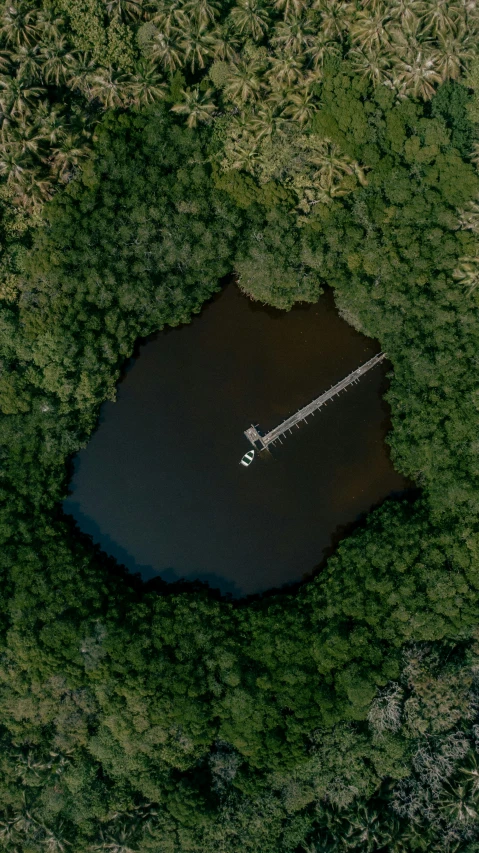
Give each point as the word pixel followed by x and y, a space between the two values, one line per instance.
pixel 160 486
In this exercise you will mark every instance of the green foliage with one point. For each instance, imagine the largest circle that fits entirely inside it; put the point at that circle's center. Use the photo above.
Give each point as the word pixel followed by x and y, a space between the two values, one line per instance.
pixel 86 22
pixel 63 62
pixel 392 250
pixel 270 267
pixel 453 104
pixel 344 717
pixel 126 249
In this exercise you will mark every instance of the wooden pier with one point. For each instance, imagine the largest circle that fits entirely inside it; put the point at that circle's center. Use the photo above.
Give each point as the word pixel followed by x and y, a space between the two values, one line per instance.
pixel 261 442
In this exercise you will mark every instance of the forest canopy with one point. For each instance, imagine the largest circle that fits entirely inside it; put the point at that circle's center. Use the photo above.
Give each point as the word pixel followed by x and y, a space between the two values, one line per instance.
pixel 147 149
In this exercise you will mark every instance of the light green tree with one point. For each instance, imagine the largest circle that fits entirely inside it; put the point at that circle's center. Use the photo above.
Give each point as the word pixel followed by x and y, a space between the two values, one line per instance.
pixel 250 18
pixel 147 85
pixel 244 81
pixel 197 106
pixel 18 25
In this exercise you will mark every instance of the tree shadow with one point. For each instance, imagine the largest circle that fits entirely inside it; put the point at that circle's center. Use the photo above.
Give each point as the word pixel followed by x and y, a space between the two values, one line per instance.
pixel 143 578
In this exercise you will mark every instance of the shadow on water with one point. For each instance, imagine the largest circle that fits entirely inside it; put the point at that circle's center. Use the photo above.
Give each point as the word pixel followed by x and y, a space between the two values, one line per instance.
pixel 159 487
pixel 146 576
pixel 144 579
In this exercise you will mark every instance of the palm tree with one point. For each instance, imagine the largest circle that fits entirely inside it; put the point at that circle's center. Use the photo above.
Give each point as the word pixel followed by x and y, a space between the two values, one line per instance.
pixel 79 76
pixel 169 16
pixel 21 139
pixel 18 25
pixel 244 82
pixel 204 12
pixel 5 60
pixel 34 191
pixel 117 840
pixel 58 762
pixel 28 62
pixel 57 61
pixel 456 801
pixel 123 9
pixel 16 99
pixel 335 17
pixel 300 106
pixel 239 126
pixel 24 821
pixel 50 24
pixel 197 106
pixel 416 74
pixel 470 15
pixel 407 838
pixel 284 70
pixel 66 156
pixel 249 18
pixel 197 47
pixel 291 8
pixel 168 50
pixel 334 165
pixel 110 87
pixel 28 765
pixel 322 48
pixel 244 155
pixel 405 12
pixel 409 35
pixel 54 841
pixel 365 830
pixel 438 17
pixel 471 769
pixel 225 45
pixel 277 98
pixel 453 52
pixel 469 221
pixel 8 834
pixel 50 122
pixel 467 273
pixel 374 65
pixel 264 122
pixel 370 32
pixel 294 36
pixel 147 85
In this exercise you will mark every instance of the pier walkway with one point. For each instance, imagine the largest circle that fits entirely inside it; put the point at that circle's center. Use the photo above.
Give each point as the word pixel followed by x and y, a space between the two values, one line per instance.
pixel 261 442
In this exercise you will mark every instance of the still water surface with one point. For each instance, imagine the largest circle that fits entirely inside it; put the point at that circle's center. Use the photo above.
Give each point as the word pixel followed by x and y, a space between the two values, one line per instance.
pixel 160 487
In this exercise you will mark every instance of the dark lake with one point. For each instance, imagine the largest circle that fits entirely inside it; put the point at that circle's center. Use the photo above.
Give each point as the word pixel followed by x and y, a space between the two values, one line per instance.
pixel 160 486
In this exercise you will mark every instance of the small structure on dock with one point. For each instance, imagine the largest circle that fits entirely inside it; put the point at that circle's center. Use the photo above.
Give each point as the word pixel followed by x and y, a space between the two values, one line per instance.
pixel 261 442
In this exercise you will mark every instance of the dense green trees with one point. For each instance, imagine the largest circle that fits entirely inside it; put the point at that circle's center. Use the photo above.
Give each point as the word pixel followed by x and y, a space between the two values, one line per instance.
pixel 141 240
pixel 62 62
pixel 402 266
pixel 301 144
pixel 173 720
pixel 148 721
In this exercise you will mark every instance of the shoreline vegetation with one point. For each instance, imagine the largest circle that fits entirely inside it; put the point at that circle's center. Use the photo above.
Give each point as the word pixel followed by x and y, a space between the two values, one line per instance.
pixel 148 149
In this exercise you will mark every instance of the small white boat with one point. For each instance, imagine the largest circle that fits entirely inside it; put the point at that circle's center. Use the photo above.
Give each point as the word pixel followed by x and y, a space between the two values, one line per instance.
pixel 247 458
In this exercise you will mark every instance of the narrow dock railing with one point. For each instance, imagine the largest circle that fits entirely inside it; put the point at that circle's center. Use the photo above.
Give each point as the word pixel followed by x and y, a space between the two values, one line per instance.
pixel 261 442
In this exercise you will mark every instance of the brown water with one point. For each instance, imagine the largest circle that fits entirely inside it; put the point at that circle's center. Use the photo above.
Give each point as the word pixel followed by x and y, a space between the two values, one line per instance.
pixel 160 486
